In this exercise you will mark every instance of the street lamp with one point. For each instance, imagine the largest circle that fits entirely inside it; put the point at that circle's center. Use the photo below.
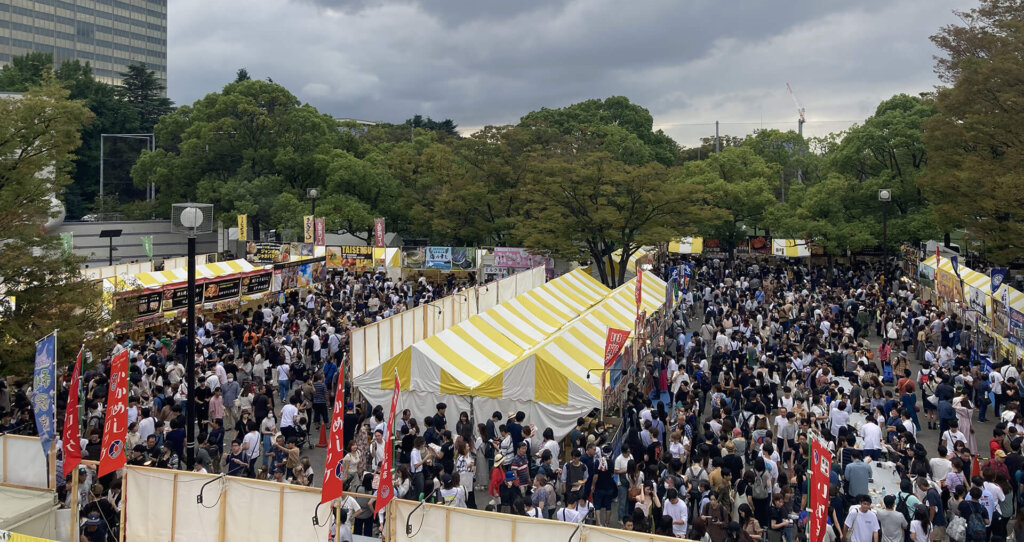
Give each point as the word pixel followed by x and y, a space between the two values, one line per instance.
pixel 110 235
pixel 885 196
pixel 312 194
pixel 191 219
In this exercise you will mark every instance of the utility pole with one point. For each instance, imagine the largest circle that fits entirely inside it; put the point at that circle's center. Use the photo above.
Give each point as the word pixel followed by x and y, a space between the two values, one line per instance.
pixel 717 148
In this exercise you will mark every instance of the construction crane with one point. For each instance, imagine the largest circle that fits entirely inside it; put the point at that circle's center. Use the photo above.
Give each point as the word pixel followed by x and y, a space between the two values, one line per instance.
pixel 799 110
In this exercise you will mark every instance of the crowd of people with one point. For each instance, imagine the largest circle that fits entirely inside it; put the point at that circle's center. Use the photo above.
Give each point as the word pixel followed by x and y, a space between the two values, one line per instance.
pixel 759 357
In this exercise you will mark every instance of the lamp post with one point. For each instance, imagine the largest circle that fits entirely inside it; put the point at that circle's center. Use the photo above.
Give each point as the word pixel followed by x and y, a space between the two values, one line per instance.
pixel 191 219
pixel 110 235
pixel 312 194
pixel 885 196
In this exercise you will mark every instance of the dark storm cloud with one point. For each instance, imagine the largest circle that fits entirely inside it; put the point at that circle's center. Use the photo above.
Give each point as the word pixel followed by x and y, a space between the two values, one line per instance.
pixel 491 62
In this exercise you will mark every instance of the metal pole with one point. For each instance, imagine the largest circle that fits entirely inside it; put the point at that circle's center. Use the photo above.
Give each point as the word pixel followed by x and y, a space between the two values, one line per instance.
pixel 716 138
pixel 110 251
pixel 885 233
pixel 101 175
pixel 314 208
pixel 190 363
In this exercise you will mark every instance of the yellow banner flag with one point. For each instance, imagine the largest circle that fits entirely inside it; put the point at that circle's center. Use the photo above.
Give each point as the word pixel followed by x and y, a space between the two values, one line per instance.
pixel 243 227
pixel 308 230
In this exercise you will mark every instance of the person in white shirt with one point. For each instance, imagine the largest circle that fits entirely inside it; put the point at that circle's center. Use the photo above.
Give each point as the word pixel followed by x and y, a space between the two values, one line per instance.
pixel 837 418
pixel 862 521
pixel 940 465
pixel 951 436
pixel 872 435
pixel 288 415
pixel 675 508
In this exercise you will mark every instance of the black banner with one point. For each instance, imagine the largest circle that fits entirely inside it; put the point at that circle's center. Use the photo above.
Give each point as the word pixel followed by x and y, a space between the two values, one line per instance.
pixel 220 290
pixel 142 305
pixel 178 297
pixel 255 284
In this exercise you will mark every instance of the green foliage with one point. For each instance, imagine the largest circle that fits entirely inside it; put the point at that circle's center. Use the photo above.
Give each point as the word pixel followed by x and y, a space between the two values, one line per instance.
pixel 141 90
pixel 38 132
pixel 445 127
pixel 25 71
pixel 975 173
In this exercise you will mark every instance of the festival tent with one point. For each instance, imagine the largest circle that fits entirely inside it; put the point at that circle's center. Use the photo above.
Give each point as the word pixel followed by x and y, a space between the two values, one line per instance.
pixel 448 365
pixel 643 255
pixel 550 382
pixel 976 280
pixel 157 279
pixel 791 248
pixel 686 245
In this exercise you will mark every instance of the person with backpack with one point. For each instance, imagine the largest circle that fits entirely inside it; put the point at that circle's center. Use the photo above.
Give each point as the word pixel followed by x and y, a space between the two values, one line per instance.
pixel 936 510
pixel 892 524
pixel 976 516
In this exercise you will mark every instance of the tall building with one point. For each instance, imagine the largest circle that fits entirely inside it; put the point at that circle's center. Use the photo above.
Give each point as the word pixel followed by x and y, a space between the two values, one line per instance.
pixel 109 34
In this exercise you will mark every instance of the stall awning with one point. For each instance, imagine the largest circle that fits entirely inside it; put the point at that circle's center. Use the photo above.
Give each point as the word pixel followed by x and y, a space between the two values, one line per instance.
pixel 686 245
pixel 791 248
pixel 157 279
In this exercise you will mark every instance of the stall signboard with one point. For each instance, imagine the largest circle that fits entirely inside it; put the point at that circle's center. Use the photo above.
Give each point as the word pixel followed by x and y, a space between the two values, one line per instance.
pixel 1000 312
pixel 221 289
pixel 948 286
pixel 464 258
pixel 1016 327
pixel 713 248
pixel 350 257
pixel 263 252
pixel 438 258
pixel 512 257
pixel 304 275
pixel 413 257
pixel 143 305
pixel 257 284
pixel 976 300
pixel 496 272
pixel 277 282
pixel 760 244
pixel 177 298
pixel 911 258
pixel 742 247
pixel 926 275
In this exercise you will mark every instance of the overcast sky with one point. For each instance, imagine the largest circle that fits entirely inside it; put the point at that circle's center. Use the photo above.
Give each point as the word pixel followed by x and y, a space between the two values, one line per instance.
pixel 483 62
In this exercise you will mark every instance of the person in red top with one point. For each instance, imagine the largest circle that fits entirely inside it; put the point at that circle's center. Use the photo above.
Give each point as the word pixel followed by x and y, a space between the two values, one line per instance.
pixel 997 464
pixel 497 479
pixel 996 443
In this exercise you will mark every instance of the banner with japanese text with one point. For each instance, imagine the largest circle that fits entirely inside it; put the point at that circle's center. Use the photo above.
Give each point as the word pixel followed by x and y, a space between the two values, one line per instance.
pixel 71 438
pixel 43 389
pixel 243 227
pixel 613 345
pixel 378 232
pixel 639 290
pixel 308 230
pixel 334 469
pixel 948 286
pixel 386 487
pixel 115 425
pixel 320 233
pixel 821 464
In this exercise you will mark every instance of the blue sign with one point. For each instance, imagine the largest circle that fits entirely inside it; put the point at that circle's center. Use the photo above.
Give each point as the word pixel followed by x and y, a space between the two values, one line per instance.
pixel 43 389
pixel 998 275
pixel 687 275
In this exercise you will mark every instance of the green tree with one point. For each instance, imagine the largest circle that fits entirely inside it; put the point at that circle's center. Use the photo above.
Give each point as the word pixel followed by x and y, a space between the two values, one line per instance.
pixel 38 133
pixel 144 93
pixel 975 172
pixel 242 75
pixel 25 71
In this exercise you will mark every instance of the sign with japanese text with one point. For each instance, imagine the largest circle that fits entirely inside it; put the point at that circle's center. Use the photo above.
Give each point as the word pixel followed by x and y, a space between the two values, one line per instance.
pixel 308 230
pixel 378 232
pixel 43 393
pixel 71 439
pixel 438 258
pixel 821 464
pixel 386 488
pixel 334 469
pixel 320 233
pixel 115 425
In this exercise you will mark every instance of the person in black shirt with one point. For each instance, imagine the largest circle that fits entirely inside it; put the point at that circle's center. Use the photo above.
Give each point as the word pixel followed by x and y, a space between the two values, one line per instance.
pixel 440 422
pixel 352 420
pixel 447 452
pixel 430 435
pixel 202 395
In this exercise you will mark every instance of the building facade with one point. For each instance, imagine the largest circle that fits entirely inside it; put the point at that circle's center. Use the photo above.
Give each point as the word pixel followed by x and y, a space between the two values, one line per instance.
pixel 109 34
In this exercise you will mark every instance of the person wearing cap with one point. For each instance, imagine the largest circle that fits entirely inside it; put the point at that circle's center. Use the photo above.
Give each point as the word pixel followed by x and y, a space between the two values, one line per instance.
pixel 497 478
pixel 452 494
pixel 508 492
pixel 997 463
pixel 93 529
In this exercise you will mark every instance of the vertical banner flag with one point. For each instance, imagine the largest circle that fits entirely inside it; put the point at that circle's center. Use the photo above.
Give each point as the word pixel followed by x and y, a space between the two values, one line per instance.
pixel 147 245
pixel 639 289
pixel 821 463
pixel 378 232
pixel 243 227
pixel 320 234
pixel 998 275
pixel 115 425
pixel 672 287
pixel 67 241
pixel 938 257
pixel 43 389
pixel 955 262
pixel 334 469
pixel 687 275
pixel 71 438
pixel 307 229
pixel 613 344
pixel 386 485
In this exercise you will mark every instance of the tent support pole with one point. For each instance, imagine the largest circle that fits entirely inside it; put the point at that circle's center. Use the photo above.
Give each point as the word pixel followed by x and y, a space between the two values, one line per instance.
pixel 174 505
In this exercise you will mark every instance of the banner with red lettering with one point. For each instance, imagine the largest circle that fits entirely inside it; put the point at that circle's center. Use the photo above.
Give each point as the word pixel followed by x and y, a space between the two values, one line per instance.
pixel 378 232
pixel 71 439
pixel 334 470
pixel 386 487
pixel 115 426
pixel 639 289
pixel 320 231
pixel 821 463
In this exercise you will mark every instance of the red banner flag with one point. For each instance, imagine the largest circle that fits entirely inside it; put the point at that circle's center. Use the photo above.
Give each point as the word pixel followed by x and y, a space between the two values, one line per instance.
pixel 115 426
pixel 821 463
pixel 613 344
pixel 334 470
pixel 320 231
pixel 71 439
pixel 639 289
pixel 938 257
pixel 378 232
pixel 386 487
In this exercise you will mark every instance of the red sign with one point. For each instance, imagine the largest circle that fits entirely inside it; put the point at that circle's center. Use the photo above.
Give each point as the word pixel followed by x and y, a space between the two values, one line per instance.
pixel 938 257
pixel 71 440
pixel 639 289
pixel 613 344
pixel 334 470
pixel 378 232
pixel 320 231
pixel 386 487
pixel 115 426
pixel 821 463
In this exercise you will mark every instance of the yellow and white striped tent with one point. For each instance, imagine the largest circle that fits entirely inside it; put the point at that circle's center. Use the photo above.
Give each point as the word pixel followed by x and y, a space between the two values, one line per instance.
pixel 157 279
pixel 790 248
pixel 643 255
pixel 686 245
pixel 977 280
pixel 447 366
pixel 550 382
pixel 389 257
